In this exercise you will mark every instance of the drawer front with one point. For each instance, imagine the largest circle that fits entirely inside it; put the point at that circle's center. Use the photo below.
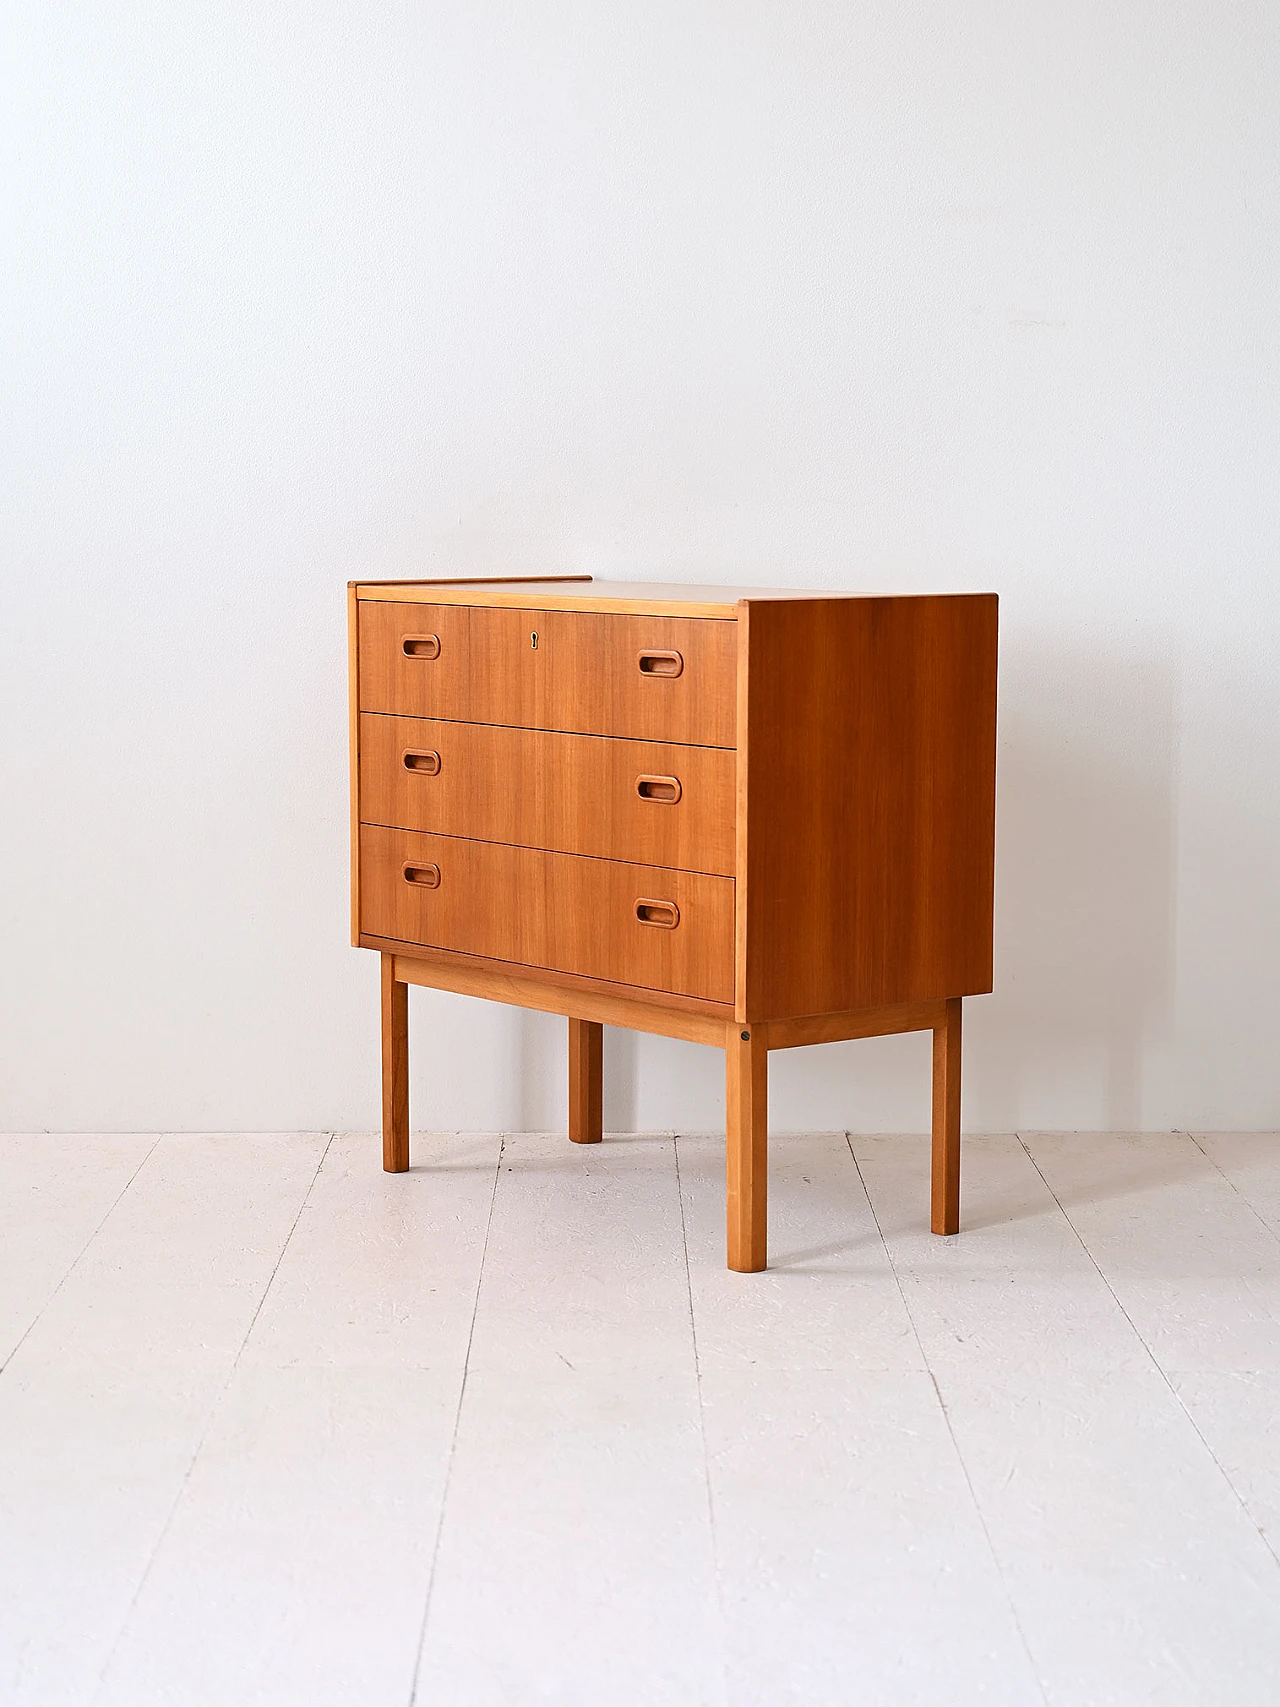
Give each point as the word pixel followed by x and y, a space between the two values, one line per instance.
pixel 647 677
pixel 633 800
pixel 632 924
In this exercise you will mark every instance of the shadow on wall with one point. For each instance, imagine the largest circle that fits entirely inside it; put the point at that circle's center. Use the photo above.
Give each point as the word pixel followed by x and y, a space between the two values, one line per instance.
pixel 1085 868
pixel 621 1056
pixel 1085 873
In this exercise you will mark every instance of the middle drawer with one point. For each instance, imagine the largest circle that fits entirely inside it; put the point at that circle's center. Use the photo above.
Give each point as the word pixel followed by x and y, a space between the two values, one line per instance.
pixel 643 801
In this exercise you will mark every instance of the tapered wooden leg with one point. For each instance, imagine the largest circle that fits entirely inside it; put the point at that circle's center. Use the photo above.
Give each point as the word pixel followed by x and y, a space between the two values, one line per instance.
pixel 586 1081
pixel 747 1147
pixel 395 1070
pixel 944 1214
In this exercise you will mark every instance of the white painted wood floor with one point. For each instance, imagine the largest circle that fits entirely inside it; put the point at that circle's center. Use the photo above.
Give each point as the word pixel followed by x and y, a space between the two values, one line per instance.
pixel 278 1428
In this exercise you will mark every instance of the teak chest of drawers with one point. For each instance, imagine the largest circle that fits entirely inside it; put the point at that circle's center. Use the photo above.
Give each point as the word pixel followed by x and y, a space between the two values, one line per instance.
pixel 749 819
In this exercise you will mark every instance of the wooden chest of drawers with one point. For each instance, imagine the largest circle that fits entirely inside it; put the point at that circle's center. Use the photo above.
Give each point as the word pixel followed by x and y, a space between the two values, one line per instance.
pixel 749 819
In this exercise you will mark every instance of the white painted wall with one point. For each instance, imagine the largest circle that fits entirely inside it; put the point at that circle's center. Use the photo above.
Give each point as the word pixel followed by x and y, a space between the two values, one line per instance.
pixel 908 295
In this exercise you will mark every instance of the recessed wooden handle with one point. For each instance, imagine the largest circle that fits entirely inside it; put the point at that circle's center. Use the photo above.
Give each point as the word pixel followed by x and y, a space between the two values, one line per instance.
pixel 425 876
pixel 660 663
pixel 426 764
pixel 665 914
pixel 664 788
pixel 420 645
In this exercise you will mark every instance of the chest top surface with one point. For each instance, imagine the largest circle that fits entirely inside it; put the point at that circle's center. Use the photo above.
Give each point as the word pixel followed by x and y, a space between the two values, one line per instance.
pixel 587 593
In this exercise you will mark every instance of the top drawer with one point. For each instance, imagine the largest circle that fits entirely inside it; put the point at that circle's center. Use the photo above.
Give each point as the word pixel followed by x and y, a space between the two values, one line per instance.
pixel 651 677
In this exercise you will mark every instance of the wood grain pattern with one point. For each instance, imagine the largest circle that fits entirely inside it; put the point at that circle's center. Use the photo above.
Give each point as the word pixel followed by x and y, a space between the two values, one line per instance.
pixel 447 584
pixel 552 910
pixel 573 998
pixel 537 788
pixel 587 600
pixel 742 760
pixel 395 1070
pixel 944 1212
pixel 870 799
pixel 583 675
pixel 585 593
pixel 625 598
pixel 746 1148
pixel 353 713
pixel 586 1081
pixel 842 1028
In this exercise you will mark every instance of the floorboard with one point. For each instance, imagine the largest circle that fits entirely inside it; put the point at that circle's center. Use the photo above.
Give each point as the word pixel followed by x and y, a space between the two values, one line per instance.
pixel 278 1427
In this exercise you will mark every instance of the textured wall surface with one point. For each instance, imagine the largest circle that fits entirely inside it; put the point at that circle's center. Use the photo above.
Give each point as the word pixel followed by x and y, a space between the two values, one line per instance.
pixel 906 297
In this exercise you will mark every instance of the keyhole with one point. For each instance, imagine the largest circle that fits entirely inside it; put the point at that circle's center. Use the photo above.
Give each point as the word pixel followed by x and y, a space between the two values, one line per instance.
pixel 533 640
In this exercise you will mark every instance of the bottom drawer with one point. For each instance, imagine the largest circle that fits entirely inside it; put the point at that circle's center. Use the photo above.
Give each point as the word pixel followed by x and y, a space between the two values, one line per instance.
pixel 599 918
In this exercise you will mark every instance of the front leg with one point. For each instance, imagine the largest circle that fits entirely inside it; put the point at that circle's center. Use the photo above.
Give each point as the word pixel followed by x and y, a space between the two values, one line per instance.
pixel 944 1216
pixel 395 1070
pixel 747 1146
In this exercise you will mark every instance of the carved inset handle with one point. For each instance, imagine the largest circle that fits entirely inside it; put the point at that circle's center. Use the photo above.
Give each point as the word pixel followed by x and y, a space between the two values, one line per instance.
pixel 420 646
pixel 662 913
pixel 425 764
pixel 425 876
pixel 660 663
pixel 664 788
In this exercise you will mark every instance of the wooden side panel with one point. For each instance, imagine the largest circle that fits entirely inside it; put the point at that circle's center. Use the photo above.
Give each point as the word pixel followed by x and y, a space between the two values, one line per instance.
pixel 646 677
pixel 353 702
pixel 869 826
pixel 551 910
pixel 642 801
pixel 742 763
